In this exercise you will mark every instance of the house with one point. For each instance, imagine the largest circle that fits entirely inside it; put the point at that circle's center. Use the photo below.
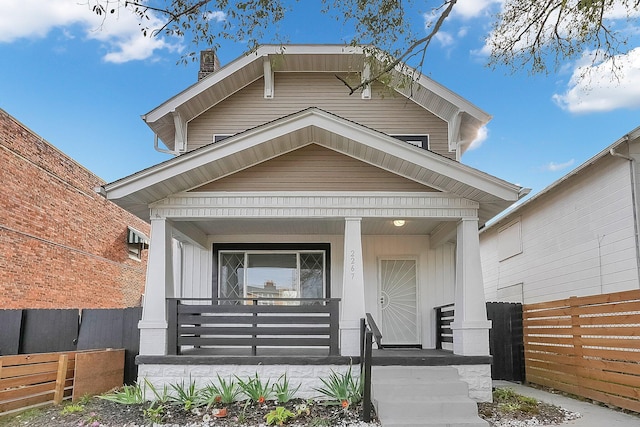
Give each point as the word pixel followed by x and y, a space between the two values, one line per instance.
pixel 577 237
pixel 61 244
pixel 351 201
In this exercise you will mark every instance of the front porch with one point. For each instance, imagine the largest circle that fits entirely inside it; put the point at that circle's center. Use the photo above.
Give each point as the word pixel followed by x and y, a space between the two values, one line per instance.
pixel 260 338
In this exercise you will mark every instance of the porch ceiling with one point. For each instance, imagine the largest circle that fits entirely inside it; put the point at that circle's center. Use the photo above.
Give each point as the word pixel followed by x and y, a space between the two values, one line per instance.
pixel 313 226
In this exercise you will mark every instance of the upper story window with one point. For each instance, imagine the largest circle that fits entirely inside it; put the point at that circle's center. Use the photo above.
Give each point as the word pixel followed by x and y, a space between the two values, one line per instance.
pixel 218 138
pixel 421 141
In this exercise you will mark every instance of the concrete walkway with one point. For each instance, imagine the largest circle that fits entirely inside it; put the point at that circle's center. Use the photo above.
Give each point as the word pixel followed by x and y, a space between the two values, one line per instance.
pixel 592 415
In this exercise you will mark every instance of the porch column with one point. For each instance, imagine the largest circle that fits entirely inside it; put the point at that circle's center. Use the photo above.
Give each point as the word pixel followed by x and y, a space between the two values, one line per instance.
pixel 158 287
pixel 470 326
pixel 352 289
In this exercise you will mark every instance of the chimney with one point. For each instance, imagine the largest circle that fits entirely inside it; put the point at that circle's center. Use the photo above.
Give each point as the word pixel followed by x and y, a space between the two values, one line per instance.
pixel 208 63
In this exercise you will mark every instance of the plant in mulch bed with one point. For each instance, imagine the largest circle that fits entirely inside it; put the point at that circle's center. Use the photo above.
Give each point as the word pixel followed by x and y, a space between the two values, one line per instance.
pixel 283 391
pixel 127 395
pixel 342 389
pixel 279 416
pixel 255 389
pixel 223 392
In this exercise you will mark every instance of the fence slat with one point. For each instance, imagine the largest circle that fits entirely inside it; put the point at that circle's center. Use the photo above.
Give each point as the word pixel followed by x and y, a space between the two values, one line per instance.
pixel 60 380
pixel 587 346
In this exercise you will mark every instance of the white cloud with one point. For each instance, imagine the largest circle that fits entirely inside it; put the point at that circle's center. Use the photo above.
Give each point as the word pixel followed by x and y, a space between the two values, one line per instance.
pixel 483 134
pixel 594 88
pixel 554 167
pixel 119 33
pixel 468 9
pixel 444 38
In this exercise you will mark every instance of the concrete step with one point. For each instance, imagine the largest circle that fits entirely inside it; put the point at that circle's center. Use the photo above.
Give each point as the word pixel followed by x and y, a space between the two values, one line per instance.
pixel 431 396
pixel 396 389
pixel 438 407
pixel 433 373
pixel 431 422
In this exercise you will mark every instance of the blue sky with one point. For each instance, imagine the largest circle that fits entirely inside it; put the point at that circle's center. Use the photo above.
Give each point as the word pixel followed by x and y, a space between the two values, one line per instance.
pixel 84 88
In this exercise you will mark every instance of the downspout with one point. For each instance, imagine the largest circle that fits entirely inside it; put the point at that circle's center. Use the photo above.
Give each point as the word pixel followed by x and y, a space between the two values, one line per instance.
pixel 634 198
pixel 162 150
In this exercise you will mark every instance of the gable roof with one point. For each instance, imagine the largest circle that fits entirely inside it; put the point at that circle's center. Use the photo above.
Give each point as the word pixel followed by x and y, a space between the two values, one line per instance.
pixel 632 136
pixel 216 160
pixel 463 117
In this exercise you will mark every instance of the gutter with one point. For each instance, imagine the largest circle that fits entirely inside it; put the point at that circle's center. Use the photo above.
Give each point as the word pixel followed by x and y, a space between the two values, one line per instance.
pixel 634 200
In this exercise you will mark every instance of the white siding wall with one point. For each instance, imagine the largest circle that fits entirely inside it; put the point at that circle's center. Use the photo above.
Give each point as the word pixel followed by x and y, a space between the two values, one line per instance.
pixel 390 113
pixel 435 269
pixel 577 240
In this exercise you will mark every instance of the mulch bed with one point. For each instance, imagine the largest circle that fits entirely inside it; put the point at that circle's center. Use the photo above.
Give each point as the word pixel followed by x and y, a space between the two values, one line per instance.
pixel 99 412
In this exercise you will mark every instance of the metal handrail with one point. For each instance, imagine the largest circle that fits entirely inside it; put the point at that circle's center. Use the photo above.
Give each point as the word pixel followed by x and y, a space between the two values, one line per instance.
pixel 368 329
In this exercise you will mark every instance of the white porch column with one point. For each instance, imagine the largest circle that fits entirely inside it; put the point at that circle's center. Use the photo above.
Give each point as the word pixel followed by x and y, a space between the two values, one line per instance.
pixel 352 289
pixel 470 326
pixel 158 287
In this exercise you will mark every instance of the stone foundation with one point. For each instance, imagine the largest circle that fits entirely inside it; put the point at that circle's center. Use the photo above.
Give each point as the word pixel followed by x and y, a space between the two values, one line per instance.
pixel 306 375
pixel 479 379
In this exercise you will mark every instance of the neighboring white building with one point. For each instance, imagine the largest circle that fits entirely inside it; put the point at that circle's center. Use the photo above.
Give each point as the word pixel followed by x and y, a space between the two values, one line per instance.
pixel 281 176
pixel 577 237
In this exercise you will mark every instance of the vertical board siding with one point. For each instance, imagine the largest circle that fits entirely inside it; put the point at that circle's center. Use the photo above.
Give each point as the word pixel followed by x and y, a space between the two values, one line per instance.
pixel 577 240
pixel 387 112
pixel 196 272
pixel 587 346
pixel 314 168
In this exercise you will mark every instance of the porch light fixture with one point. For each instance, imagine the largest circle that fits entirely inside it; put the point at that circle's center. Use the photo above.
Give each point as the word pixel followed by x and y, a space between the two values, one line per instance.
pixel 398 222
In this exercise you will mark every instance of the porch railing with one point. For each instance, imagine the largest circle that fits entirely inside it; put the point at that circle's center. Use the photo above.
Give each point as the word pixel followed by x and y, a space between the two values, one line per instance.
pixel 444 318
pixel 252 323
pixel 368 331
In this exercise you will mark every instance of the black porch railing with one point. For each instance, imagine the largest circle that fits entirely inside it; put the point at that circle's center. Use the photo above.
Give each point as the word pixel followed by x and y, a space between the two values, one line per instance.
pixel 368 331
pixel 253 323
pixel 444 318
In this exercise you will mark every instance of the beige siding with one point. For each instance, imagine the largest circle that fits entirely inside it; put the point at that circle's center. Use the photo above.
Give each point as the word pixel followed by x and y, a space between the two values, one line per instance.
pixel 386 112
pixel 577 240
pixel 314 168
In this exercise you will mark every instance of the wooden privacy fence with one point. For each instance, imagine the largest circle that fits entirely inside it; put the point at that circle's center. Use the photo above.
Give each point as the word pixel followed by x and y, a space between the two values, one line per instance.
pixel 587 346
pixel 30 380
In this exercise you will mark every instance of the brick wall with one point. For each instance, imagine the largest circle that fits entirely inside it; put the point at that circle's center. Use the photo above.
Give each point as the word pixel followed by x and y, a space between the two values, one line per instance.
pixel 61 244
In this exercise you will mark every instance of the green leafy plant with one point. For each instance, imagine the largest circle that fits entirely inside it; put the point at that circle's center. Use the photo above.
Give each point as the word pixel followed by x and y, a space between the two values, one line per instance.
pixel 279 416
pixel 510 401
pixel 283 390
pixel 72 408
pixel 159 397
pixel 342 389
pixel 127 395
pixel 255 389
pixel 155 413
pixel 186 396
pixel 223 392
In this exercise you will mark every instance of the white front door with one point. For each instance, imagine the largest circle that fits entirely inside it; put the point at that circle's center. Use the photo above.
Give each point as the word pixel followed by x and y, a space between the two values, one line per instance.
pixel 399 301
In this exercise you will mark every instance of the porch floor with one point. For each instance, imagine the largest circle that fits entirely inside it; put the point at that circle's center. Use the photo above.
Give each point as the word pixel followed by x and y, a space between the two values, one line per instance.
pixel 312 356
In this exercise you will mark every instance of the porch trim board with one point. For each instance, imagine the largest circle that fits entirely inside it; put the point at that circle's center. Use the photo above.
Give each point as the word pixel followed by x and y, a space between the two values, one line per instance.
pixel 315 204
